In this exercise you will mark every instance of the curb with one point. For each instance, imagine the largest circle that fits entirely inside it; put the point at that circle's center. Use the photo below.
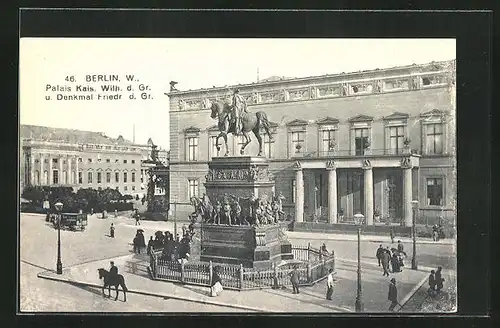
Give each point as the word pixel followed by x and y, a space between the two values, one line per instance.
pixel 146 293
pixel 372 239
pixel 411 293
pixel 420 268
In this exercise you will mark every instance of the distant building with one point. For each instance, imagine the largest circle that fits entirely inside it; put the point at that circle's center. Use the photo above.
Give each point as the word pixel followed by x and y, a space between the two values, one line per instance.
pixel 81 159
pixel 365 142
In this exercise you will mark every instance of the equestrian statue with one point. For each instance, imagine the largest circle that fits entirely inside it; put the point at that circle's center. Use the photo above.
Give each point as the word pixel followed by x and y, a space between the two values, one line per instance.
pixel 234 118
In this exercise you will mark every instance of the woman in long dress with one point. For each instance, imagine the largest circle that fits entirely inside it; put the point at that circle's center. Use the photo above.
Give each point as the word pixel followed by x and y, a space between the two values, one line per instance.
pixel 216 286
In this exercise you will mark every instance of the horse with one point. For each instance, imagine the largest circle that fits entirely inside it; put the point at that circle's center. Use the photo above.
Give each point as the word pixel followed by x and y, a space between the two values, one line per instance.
pixel 250 122
pixel 110 280
pixel 203 209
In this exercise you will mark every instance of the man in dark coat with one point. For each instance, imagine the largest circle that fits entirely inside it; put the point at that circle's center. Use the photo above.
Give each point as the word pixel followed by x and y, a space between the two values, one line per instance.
pixel 439 280
pixel 150 245
pixel 380 251
pixel 113 270
pixel 294 279
pixel 385 259
pixel 395 263
pixel 393 294
pixel 432 282
pixel 391 231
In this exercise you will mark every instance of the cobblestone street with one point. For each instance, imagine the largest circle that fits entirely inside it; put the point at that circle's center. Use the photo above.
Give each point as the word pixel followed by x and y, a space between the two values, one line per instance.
pixel 84 252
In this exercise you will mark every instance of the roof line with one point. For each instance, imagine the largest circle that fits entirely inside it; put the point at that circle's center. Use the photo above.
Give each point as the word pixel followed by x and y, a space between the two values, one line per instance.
pixel 297 79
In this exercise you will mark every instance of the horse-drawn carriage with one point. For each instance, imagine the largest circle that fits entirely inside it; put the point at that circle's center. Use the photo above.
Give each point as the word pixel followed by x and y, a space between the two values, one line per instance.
pixel 71 221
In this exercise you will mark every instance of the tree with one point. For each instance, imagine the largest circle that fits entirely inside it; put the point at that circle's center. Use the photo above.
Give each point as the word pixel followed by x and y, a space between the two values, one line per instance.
pixel 35 194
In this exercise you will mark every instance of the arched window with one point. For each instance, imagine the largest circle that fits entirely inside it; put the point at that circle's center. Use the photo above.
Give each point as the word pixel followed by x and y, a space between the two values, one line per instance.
pixel 45 177
pixel 37 178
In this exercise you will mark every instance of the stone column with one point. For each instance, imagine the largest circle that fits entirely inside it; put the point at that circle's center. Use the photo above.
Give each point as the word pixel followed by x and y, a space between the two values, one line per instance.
pixel 49 173
pixel 42 160
pixel 32 168
pixel 368 189
pixel 76 170
pixel 407 191
pixel 332 191
pixel 61 175
pixel 299 193
pixel 70 174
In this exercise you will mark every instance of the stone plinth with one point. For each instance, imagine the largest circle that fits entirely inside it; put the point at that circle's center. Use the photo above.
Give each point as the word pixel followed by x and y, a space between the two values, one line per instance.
pixel 254 247
pixel 244 178
pixel 239 176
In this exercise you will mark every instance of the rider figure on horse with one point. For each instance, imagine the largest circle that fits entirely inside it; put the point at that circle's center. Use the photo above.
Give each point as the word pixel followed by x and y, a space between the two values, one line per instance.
pixel 238 107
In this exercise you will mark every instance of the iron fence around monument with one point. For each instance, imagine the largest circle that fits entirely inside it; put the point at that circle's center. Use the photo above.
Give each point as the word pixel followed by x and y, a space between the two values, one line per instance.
pixel 311 265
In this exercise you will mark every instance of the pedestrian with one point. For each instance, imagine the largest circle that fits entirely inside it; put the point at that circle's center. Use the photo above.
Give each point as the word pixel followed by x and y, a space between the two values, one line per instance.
pixel 401 247
pixel 391 231
pixel 112 231
pixel 216 283
pixel 432 283
pixel 137 217
pixel 142 242
pixel 329 284
pixel 385 259
pixel 439 280
pixel 116 213
pixel 435 236
pixel 395 263
pixel 294 279
pixel 393 294
pixel 379 253
pixel 150 245
pixel 135 242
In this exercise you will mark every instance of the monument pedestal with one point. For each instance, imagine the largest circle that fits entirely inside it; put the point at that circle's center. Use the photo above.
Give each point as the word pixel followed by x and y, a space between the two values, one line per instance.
pixel 253 247
pixel 242 177
pixel 259 246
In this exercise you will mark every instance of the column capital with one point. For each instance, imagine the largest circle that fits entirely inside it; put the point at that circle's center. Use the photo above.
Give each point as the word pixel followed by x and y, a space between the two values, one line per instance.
pixel 406 163
pixel 297 166
pixel 331 165
pixel 367 165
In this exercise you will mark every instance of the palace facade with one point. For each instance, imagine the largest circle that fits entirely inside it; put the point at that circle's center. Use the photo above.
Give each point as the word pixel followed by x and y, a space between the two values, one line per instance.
pixel 83 159
pixel 373 142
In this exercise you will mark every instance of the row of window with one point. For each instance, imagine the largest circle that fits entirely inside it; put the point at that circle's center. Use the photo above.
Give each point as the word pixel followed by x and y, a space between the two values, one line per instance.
pixel 397 136
pixel 90 177
pixel 89 160
pixel 434 190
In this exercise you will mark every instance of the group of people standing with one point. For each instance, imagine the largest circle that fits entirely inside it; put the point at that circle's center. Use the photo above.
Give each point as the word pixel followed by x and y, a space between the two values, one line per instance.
pixel 436 281
pixel 437 232
pixel 394 257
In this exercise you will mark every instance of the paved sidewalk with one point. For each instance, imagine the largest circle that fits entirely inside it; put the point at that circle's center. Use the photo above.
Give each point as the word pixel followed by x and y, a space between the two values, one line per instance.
pixel 310 299
pixel 370 238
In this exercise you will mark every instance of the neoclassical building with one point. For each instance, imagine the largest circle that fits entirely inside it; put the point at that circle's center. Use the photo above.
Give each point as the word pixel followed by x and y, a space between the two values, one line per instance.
pixel 367 142
pixel 82 159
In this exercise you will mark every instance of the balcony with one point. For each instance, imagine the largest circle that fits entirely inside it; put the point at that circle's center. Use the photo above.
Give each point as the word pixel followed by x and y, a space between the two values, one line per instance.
pixel 360 154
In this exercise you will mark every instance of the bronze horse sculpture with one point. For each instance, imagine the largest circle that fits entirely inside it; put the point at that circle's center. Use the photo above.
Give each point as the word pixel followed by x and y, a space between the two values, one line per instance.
pixel 250 122
pixel 112 280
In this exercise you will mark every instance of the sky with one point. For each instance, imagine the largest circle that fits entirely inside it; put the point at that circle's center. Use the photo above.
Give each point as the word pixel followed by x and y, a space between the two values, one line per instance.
pixel 193 63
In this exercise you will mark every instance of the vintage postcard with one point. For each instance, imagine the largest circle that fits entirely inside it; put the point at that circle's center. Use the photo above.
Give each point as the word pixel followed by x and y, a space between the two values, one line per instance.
pixel 237 175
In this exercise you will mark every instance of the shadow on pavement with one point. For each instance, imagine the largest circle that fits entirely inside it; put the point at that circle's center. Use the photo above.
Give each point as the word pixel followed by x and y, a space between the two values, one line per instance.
pixel 37 266
pixel 318 303
pixel 196 290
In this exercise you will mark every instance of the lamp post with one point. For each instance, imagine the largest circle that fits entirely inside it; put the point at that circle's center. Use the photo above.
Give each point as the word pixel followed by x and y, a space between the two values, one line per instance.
pixel 358 218
pixel 414 264
pixel 58 206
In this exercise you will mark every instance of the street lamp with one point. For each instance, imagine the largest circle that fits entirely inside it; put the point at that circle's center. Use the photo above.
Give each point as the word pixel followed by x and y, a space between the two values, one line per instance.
pixel 358 219
pixel 59 206
pixel 414 264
